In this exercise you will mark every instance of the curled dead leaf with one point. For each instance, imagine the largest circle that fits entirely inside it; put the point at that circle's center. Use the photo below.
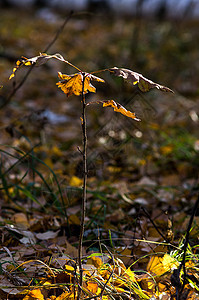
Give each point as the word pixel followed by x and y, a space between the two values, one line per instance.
pixel 117 107
pixel 39 60
pixel 143 83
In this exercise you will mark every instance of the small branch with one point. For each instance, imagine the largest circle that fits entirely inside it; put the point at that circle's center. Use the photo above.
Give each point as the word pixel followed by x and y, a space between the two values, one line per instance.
pixel 100 71
pixel 186 241
pixel 59 31
pixel 157 229
pixel 111 274
pixel 83 211
pixel 18 86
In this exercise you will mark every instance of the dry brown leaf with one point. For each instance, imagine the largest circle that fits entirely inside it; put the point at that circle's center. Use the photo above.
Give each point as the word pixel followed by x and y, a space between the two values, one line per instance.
pixel 21 220
pixel 37 60
pixel 47 235
pixel 143 83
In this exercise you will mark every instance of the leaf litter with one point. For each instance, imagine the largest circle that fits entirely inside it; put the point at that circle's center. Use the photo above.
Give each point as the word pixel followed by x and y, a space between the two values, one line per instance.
pixel 47 266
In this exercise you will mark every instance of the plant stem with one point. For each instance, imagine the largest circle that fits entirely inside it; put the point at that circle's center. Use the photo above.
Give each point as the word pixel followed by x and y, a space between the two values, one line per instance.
pixel 83 211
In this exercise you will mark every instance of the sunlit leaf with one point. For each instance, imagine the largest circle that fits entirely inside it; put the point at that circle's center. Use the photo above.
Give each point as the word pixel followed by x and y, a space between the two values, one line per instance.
pixel 143 83
pixel 169 263
pixel 92 287
pixel 73 84
pixel 160 265
pixel 117 107
pixel 66 295
pixel 155 265
pixel 34 295
pixel 76 181
pixel 37 60
pixel 96 261
pixel 69 269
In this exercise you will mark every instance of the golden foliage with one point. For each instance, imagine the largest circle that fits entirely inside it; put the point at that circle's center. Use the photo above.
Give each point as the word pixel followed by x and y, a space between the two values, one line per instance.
pixel 34 295
pixel 160 265
pixel 73 84
pixel 117 108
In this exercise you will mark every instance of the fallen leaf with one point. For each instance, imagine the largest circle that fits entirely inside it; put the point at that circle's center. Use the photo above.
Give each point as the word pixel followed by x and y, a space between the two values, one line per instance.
pixel 76 181
pixel 47 235
pixel 34 295
pixel 6 286
pixel 160 265
pixel 66 295
pixel 92 286
pixel 95 261
pixel 21 220
pixel 143 83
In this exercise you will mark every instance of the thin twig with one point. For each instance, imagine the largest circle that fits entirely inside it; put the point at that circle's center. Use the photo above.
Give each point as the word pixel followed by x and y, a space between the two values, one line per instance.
pixel 83 211
pixel 59 31
pixel 157 229
pixel 111 274
pixel 186 241
pixel 19 85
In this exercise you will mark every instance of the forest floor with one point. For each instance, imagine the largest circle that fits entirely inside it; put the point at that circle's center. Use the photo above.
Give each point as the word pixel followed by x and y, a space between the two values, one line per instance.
pixel 142 176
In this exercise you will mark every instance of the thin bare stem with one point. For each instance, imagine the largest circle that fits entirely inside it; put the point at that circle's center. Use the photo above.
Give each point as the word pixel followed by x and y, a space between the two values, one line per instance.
pixel 59 31
pixel 100 71
pixel 70 64
pixel 186 242
pixel 83 211
pixel 20 84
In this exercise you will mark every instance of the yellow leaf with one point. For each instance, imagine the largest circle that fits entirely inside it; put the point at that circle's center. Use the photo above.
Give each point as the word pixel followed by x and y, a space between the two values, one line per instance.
pixel 13 73
pixel 73 219
pixel 73 84
pixel 38 60
pixel 48 162
pixel 69 269
pixel 34 295
pixel 169 263
pixel 155 265
pixel 67 295
pixel 96 261
pixel 117 107
pixel 165 150
pixel 92 287
pixel 76 181
pixel 160 265
pixel 56 151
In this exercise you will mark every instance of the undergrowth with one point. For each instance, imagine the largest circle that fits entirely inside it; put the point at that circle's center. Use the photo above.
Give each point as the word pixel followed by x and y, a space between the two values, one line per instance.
pixel 105 264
